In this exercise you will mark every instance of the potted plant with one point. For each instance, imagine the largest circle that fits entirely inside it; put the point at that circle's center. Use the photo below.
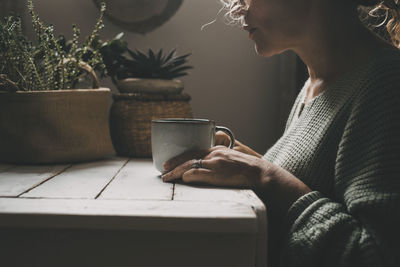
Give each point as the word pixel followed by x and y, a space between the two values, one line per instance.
pixel 44 117
pixel 137 72
pixel 149 89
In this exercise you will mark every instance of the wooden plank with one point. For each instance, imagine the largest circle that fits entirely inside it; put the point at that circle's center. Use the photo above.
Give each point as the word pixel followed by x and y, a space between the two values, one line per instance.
pixel 85 180
pixel 262 236
pixel 139 179
pixel 207 193
pixel 19 179
pixel 246 197
pixel 181 216
pixel 105 248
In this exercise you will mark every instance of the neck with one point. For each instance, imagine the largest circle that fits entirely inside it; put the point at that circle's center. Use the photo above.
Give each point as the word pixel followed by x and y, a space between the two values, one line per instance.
pixel 334 43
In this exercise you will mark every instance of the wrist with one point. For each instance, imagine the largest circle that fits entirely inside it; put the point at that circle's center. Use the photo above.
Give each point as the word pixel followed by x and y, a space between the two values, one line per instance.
pixel 266 176
pixel 279 188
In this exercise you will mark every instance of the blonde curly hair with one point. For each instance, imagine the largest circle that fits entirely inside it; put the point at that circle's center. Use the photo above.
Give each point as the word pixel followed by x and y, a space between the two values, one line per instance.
pixel 234 11
pixel 381 16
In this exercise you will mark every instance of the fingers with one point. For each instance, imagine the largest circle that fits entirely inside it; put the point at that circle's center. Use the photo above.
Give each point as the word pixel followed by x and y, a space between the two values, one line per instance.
pixel 188 173
pixel 192 175
pixel 222 138
pixel 178 166
pixel 203 176
pixel 178 160
pixel 178 171
pixel 215 171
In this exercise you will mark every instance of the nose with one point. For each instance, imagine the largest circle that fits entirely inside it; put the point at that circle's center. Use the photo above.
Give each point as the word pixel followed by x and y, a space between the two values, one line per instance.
pixel 245 19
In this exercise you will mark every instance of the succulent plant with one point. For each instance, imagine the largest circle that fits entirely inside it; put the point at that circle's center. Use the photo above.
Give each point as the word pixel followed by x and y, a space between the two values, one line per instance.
pixel 121 62
pixel 157 65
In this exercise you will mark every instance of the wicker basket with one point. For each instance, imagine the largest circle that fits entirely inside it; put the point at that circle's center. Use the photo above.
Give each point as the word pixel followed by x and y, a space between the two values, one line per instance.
pixel 54 126
pixel 131 116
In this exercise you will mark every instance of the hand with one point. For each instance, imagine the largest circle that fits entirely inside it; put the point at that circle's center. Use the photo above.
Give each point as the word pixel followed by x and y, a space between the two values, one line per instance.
pixel 221 166
pixel 222 138
pixel 226 167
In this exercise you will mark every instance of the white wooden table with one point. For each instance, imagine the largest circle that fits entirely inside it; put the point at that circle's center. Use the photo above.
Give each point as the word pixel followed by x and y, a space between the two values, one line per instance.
pixel 118 212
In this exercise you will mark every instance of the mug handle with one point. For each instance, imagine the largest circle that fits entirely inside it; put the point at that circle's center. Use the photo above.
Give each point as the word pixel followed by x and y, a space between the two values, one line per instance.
pixel 229 132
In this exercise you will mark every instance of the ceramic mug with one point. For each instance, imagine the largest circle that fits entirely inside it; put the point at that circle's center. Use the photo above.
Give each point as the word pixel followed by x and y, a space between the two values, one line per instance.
pixel 172 137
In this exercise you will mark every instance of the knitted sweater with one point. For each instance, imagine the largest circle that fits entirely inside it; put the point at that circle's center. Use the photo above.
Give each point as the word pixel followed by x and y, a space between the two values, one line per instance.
pixel 345 145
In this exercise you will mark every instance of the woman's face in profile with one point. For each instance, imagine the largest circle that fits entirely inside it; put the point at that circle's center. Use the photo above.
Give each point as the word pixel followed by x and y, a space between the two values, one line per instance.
pixel 276 25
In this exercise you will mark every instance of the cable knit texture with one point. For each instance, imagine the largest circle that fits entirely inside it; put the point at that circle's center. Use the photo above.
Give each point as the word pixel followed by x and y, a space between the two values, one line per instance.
pixel 345 145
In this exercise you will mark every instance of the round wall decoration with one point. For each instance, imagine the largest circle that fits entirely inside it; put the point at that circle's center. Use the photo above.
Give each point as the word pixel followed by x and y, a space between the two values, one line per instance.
pixel 140 16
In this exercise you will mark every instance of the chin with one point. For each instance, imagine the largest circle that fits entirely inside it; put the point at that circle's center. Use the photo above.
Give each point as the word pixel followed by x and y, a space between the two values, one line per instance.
pixel 265 51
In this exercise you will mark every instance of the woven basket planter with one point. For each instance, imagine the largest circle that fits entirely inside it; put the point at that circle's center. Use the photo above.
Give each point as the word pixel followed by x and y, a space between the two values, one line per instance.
pixel 131 116
pixel 54 126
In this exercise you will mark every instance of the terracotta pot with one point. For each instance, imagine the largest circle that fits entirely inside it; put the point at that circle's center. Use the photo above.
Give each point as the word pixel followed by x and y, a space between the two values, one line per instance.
pixel 149 86
pixel 55 126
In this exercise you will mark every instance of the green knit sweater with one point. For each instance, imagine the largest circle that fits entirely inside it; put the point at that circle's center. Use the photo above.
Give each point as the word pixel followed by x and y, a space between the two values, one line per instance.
pixel 345 145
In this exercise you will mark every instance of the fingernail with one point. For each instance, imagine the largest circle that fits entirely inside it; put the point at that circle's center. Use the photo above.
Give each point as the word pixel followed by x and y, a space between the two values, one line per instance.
pixel 164 178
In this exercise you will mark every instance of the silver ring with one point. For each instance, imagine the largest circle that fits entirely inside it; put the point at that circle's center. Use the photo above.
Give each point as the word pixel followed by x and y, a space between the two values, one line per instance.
pixel 197 164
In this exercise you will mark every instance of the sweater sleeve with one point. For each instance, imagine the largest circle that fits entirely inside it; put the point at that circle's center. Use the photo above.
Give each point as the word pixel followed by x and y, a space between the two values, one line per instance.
pixel 360 224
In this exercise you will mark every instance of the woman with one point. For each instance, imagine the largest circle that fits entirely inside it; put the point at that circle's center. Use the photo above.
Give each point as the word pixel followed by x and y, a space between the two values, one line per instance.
pixel 333 179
